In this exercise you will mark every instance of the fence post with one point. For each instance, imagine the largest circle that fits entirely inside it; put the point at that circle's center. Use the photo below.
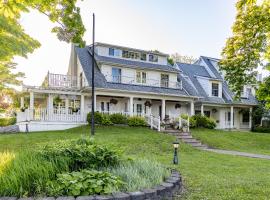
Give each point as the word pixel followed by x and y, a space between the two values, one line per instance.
pixel 188 124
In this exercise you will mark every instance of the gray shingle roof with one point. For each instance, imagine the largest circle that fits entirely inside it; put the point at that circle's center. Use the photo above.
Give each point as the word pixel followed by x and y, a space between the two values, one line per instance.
pixel 136 64
pixel 211 67
pixel 100 81
pixel 195 88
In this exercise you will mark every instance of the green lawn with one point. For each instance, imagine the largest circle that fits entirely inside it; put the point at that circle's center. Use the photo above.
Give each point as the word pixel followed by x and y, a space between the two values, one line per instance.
pixel 234 140
pixel 206 175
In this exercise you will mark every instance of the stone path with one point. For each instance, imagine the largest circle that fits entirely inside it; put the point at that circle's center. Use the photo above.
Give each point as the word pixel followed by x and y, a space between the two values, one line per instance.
pixel 188 139
pixel 238 153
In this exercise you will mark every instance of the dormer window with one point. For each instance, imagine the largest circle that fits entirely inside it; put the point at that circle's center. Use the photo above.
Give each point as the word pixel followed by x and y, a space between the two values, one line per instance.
pixel 215 89
pixel 153 58
pixel 111 51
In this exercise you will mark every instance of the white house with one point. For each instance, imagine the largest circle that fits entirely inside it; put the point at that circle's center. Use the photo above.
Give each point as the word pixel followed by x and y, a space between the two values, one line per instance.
pixel 133 82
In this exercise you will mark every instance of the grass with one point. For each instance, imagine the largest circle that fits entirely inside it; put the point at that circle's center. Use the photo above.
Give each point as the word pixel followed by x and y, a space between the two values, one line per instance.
pixel 235 140
pixel 206 175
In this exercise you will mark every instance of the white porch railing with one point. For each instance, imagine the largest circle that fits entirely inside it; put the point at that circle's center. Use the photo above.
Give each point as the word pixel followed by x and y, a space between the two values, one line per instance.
pixel 60 81
pixel 144 82
pixel 57 115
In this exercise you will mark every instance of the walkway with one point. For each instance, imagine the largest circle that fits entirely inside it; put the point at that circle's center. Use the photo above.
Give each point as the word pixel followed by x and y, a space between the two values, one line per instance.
pixel 238 153
pixel 188 139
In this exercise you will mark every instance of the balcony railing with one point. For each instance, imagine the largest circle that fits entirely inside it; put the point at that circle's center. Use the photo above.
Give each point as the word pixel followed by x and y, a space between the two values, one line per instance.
pixel 60 81
pixel 144 82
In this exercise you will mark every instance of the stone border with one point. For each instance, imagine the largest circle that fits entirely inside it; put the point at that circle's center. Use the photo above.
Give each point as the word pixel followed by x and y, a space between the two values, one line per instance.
pixel 166 190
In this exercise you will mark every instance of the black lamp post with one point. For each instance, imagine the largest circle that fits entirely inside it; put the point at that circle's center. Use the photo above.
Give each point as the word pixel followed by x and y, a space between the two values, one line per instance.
pixel 175 157
pixel 93 82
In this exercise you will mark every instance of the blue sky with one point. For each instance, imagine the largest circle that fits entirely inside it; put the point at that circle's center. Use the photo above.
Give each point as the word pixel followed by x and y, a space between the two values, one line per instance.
pixel 189 27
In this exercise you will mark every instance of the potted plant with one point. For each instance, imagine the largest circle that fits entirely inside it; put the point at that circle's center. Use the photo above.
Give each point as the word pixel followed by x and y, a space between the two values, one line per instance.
pixel 113 101
pixel 178 105
pixel 148 104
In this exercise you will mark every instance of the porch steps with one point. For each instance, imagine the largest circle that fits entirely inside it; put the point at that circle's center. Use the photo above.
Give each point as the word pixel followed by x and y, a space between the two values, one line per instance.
pixel 187 138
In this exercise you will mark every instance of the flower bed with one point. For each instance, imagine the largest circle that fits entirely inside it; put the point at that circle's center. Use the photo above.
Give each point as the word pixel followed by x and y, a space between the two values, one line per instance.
pixel 166 190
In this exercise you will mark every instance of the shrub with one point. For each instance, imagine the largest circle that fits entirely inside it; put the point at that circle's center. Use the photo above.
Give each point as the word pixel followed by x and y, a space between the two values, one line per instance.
pixel 82 154
pixel 97 116
pixel 184 116
pixel 85 182
pixel 136 121
pixel 7 121
pixel 261 129
pixel 105 120
pixel 140 174
pixel 118 118
pixel 202 121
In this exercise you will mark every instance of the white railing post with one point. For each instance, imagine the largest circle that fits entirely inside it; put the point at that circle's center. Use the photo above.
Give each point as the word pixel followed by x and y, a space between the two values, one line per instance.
pixel 151 121
pixel 158 124
pixel 188 124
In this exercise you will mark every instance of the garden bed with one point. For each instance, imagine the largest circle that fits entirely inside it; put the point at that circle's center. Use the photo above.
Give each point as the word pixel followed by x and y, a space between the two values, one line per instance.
pixel 83 168
pixel 166 190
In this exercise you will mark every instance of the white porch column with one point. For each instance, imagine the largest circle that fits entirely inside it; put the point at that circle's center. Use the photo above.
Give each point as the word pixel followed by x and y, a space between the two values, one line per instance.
pixel 163 109
pixel 50 102
pixel 250 118
pixel 31 103
pixel 191 108
pixel 131 106
pixel 232 119
pixel 95 103
pixel 202 112
pixel 66 105
pixel 22 102
pixel 82 107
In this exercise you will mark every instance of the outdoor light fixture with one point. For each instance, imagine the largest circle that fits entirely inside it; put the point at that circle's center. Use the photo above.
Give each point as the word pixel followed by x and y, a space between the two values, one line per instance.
pixel 175 157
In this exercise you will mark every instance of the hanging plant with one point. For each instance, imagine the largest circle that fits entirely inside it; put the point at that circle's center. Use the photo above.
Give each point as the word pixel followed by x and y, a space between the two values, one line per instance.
pixel 148 103
pixel 214 110
pixel 113 101
pixel 178 105
pixel 57 100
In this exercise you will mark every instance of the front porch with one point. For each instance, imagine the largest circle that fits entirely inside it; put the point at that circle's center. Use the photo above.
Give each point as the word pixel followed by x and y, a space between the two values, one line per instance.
pixel 227 117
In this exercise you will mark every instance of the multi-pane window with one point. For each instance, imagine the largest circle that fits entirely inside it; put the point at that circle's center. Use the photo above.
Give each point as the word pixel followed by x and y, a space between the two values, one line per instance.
pixel 215 89
pixel 143 56
pixel 108 106
pixel 140 77
pixel 102 107
pixel 114 52
pixel 153 58
pixel 131 54
pixel 245 118
pixel 111 51
pixel 164 80
pixel 116 75
pixel 139 108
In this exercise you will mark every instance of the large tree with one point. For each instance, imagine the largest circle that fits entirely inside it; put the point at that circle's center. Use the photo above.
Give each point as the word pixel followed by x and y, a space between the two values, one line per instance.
pixel 15 42
pixel 249 45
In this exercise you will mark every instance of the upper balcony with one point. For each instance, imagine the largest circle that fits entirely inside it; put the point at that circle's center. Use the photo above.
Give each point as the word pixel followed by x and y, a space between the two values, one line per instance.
pixel 144 82
pixel 60 81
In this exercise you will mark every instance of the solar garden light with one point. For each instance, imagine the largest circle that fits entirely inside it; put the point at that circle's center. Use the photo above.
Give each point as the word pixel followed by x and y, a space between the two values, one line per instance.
pixel 175 157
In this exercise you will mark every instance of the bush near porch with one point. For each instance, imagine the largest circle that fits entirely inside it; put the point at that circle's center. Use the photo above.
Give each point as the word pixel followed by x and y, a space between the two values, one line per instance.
pixel 199 121
pixel 116 118
pixel 7 121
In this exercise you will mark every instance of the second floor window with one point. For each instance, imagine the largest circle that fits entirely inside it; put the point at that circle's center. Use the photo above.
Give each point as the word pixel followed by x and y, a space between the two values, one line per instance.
pixel 111 51
pixel 116 75
pixel 140 77
pixel 153 58
pixel 215 89
pixel 164 80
